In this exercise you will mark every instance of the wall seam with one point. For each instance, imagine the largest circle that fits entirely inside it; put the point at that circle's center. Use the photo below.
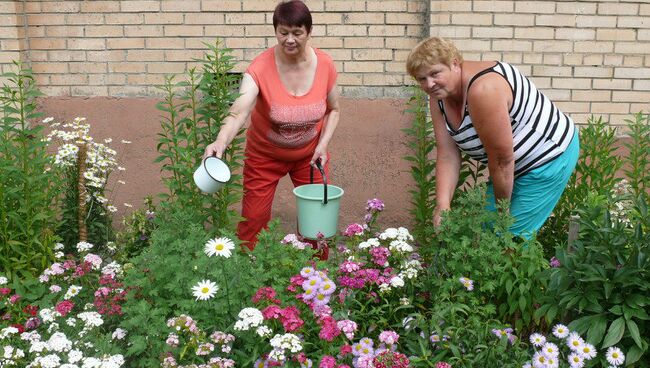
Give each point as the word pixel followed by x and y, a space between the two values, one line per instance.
pixel 27 51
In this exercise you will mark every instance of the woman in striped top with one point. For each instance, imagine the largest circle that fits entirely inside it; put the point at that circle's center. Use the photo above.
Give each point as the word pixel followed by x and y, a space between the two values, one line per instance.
pixel 490 111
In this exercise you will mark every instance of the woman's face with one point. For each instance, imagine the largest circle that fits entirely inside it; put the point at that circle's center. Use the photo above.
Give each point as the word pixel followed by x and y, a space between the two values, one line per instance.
pixel 291 39
pixel 438 80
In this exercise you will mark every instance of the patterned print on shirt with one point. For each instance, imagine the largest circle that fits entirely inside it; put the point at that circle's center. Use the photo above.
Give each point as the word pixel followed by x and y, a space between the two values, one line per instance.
pixel 293 126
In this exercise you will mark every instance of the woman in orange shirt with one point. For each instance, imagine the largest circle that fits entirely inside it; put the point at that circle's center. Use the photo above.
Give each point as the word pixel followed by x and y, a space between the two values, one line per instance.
pixel 289 91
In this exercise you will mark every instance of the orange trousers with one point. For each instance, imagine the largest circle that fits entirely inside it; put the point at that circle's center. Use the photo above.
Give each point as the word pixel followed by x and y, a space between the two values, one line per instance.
pixel 261 177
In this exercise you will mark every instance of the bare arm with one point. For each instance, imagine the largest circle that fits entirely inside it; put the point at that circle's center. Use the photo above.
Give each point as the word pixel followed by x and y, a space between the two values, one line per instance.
pixel 488 101
pixel 331 121
pixel 447 163
pixel 238 113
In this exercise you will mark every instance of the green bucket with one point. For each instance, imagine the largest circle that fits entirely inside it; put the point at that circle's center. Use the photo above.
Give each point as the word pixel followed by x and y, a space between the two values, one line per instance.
pixel 318 207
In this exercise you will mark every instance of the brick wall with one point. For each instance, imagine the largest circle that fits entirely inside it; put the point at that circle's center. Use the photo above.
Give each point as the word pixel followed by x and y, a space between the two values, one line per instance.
pixel 12 33
pixel 589 56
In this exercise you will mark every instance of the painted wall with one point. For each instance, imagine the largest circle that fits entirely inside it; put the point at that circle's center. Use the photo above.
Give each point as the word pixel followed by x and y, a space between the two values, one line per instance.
pixel 367 153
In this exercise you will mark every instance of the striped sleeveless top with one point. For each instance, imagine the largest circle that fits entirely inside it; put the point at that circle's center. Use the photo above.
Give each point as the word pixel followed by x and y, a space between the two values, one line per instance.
pixel 540 131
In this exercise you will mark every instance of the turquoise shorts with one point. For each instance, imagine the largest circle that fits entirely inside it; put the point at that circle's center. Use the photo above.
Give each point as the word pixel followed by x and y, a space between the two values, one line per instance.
pixel 535 194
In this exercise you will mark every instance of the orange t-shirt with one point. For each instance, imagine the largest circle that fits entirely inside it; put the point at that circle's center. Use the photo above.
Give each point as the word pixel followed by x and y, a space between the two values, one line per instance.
pixel 284 126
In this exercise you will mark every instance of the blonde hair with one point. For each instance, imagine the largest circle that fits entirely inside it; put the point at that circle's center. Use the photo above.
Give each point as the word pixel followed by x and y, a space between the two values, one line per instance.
pixel 434 50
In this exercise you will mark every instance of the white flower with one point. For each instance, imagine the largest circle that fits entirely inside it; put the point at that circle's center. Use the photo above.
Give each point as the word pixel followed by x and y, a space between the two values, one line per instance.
pixel 615 356
pixel 118 334
pixel 222 247
pixel 537 339
pixel 404 301
pixel 574 341
pixel 249 318
pixel 560 331
pixel 73 291
pixel 91 319
pixel 3 280
pixel 74 356
pixel 128 205
pixel 205 290
pixel 111 208
pixel 83 246
pixel 287 341
pixel 59 342
pixel 576 361
pixel 48 119
pixel 59 246
pixel 264 331
pixel 397 282
pixel 550 350
pixel 587 351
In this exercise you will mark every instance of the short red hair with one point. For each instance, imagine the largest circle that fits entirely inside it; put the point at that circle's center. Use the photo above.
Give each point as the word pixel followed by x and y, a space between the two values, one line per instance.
pixel 293 13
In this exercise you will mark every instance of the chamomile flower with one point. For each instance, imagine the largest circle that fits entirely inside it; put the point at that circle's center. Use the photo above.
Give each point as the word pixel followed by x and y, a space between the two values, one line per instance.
pixel 222 247
pixel 560 331
pixel 587 350
pixel 467 283
pixel 550 350
pixel 537 339
pixel 576 361
pixel 574 341
pixel 615 356
pixel 205 290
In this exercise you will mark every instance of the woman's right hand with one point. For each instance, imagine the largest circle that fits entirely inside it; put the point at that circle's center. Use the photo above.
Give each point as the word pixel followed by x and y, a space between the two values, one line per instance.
pixel 437 217
pixel 214 149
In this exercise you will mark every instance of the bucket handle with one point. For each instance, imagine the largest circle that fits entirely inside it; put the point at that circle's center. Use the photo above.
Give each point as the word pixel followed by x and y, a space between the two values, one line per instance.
pixel 322 172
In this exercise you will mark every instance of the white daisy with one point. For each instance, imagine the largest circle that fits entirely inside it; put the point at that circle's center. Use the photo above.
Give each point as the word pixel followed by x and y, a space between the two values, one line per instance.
pixel 574 341
pixel 219 247
pixel 576 361
pixel 587 351
pixel 550 350
pixel 205 290
pixel 615 356
pixel 537 339
pixel 560 331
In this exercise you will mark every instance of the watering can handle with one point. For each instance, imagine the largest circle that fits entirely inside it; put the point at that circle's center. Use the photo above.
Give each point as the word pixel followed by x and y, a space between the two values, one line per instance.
pixel 322 172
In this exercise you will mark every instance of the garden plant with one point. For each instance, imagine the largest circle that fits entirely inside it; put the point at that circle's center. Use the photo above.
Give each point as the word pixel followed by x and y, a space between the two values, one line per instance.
pixel 172 287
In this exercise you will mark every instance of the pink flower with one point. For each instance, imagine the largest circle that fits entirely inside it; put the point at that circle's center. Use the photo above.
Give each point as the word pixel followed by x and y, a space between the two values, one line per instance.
pixel 329 329
pixel 265 293
pixel 5 291
pixel 345 350
pixel 327 362
pixel 353 229
pixel 14 299
pixel 555 263
pixel 64 307
pixel 443 365
pixel 388 337
pixel 272 312
pixel 375 205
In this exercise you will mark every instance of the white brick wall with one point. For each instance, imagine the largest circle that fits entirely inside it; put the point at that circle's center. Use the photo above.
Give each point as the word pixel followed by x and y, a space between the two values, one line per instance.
pixel 591 56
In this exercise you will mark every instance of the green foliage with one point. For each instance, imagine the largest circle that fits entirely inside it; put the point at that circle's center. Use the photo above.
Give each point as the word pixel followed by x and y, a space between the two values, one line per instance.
pixel 161 278
pixel 27 196
pixel 637 168
pixel 461 327
pixel 595 173
pixel 603 284
pixel 422 144
pixel 193 119
pixel 136 234
pixel 475 243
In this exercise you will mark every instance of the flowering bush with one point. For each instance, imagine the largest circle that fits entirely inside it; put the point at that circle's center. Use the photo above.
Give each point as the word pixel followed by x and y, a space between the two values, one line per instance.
pixel 568 349
pixel 87 165
pixel 74 323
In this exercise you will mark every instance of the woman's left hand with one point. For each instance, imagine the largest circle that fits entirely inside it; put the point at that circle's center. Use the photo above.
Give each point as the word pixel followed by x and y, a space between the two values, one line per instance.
pixel 320 153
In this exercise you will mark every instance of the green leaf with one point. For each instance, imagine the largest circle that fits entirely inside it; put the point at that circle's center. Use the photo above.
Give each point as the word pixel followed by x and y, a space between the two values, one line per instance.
pixel 634 332
pixel 597 330
pixel 633 355
pixel 615 333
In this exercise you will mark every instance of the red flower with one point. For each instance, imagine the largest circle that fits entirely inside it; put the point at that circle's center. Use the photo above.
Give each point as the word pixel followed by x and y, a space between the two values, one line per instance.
pixel 32 310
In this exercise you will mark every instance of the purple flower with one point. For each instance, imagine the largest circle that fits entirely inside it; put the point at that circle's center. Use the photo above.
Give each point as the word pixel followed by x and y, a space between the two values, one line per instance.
pixel 555 263
pixel 32 323
pixel 375 205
